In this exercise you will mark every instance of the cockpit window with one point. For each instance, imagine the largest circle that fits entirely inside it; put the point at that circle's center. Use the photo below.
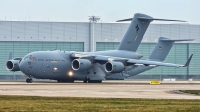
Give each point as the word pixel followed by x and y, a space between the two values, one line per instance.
pixel 26 58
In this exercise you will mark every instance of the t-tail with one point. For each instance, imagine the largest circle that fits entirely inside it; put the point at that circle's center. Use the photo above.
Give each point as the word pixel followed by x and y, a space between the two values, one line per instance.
pixel 159 54
pixel 163 47
pixel 136 30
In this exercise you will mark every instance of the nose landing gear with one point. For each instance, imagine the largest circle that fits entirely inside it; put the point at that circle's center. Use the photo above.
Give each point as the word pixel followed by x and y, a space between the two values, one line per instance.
pixel 29 80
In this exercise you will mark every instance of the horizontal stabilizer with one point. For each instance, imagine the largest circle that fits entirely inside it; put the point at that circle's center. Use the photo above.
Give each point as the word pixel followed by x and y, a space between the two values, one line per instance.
pixel 170 40
pixel 144 18
pixel 150 19
pixel 124 20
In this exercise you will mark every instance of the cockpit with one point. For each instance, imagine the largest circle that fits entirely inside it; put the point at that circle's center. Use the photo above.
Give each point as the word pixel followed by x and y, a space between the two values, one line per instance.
pixel 26 57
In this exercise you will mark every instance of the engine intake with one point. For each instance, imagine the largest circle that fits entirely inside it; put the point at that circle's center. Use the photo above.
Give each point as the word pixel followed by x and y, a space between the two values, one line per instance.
pixel 81 64
pixel 114 67
pixel 13 65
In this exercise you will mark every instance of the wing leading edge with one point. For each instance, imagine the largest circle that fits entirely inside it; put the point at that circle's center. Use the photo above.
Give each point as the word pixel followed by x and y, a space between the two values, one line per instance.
pixel 100 58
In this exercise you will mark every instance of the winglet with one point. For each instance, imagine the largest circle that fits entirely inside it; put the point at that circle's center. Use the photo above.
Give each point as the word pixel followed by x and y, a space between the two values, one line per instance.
pixel 10 56
pixel 188 62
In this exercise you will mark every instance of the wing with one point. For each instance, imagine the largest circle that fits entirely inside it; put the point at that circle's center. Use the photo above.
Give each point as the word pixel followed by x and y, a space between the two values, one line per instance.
pixel 100 59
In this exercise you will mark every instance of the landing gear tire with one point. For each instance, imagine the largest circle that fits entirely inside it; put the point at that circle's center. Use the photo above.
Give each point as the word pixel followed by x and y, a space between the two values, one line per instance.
pixel 85 81
pixel 29 80
pixel 89 81
pixel 99 81
pixel 71 81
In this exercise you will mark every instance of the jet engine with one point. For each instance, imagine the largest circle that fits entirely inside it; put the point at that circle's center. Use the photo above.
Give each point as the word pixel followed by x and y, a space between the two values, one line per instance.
pixel 13 65
pixel 114 67
pixel 81 64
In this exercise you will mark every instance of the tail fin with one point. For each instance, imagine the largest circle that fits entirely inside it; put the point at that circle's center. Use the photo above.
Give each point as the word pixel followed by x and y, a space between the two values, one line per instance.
pixel 136 30
pixel 163 47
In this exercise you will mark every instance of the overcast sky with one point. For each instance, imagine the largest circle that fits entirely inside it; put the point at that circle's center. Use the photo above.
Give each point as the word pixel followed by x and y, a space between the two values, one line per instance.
pixel 108 10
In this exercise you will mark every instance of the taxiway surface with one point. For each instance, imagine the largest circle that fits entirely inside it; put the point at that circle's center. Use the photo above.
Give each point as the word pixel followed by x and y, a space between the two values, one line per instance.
pixel 112 89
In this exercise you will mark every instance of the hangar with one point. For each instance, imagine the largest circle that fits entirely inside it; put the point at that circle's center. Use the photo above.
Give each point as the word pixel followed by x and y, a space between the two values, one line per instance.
pixel 22 37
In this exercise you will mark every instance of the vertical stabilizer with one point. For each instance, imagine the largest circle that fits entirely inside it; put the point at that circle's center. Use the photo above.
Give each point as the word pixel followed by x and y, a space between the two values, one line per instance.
pixel 135 32
pixel 163 47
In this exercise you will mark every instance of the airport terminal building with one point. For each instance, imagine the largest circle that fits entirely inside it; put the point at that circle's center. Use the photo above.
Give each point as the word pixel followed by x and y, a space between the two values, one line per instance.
pixel 22 37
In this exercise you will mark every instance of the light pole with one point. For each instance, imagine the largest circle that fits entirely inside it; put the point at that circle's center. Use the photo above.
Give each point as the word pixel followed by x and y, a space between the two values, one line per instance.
pixel 93 19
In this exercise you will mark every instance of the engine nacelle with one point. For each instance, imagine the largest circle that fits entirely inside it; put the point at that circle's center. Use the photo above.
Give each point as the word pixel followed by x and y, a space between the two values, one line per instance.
pixel 81 64
pixel 13 65
pixel 114 67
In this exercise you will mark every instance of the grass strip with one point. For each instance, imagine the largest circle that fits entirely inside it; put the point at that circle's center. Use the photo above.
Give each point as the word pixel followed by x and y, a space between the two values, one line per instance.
pixel 71 104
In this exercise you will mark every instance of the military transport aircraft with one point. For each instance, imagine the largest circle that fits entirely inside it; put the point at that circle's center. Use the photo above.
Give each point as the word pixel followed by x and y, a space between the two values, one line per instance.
pixel 93 67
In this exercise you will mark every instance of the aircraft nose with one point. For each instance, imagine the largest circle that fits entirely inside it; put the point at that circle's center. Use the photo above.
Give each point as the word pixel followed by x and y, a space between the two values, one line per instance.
pixel 22 66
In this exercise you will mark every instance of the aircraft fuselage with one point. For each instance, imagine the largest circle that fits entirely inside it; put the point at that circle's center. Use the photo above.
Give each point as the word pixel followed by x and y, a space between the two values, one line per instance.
pixel 56 65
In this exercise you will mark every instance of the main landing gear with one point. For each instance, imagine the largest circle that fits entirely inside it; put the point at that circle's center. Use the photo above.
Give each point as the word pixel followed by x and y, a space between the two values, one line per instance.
pixel 29 80
pixel 91 81
pixel 67 81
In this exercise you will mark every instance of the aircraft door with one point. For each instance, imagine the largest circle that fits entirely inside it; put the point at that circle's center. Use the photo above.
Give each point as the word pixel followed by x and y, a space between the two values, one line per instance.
pixel 30 68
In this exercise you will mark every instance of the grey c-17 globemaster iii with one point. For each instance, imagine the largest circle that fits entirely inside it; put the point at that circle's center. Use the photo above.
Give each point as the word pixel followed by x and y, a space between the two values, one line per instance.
pixel 93 67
